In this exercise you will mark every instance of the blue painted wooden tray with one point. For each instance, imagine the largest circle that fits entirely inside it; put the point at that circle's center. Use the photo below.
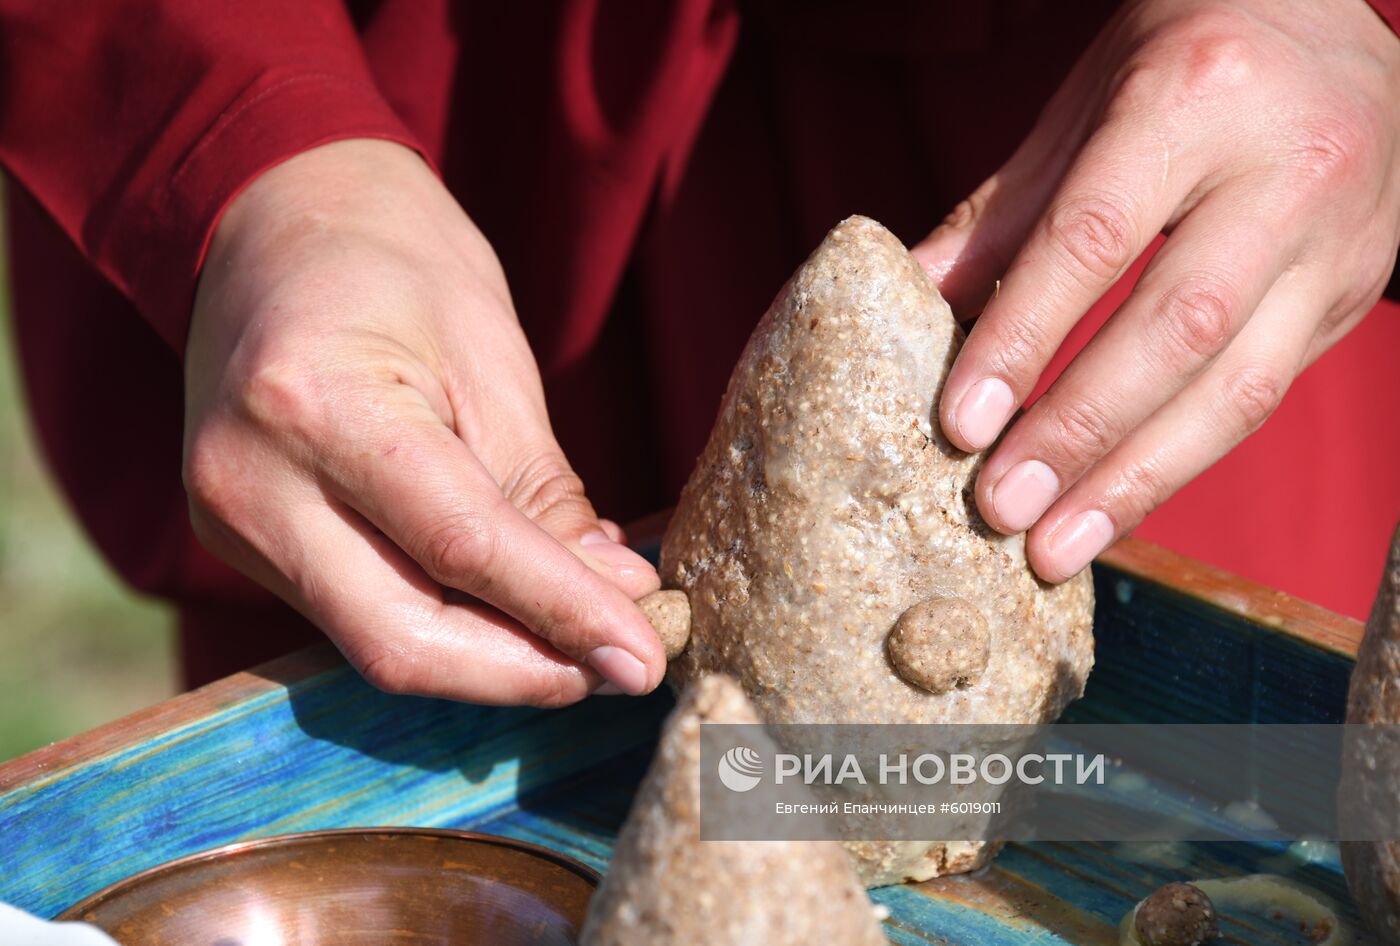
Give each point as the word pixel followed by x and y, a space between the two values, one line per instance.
pixel 302 743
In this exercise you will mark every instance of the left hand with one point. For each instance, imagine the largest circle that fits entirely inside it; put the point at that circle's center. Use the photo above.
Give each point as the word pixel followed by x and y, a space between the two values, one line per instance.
pixel 1264 137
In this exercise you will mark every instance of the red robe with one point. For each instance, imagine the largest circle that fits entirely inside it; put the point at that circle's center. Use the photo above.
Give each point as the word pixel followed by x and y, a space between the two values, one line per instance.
pixel 648 173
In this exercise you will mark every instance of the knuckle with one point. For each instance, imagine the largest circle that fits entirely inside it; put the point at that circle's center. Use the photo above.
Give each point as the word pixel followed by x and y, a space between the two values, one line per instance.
pixel 962 216
pixel 1215 57
pixel 968 211
pixel 1198 317
pixel 208 477
pixel 1017 345
pixel 389 669
pixel 1095 234
pixel 282 396
pixel 545 484
pixel 458 550
pixel 552 691
pixel 1330 148
pixel 1081 430
pixel 1252 394
pixel 1142 486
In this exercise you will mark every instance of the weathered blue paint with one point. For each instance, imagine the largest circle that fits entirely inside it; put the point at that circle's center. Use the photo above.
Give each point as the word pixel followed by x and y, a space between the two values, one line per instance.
pixel 329 751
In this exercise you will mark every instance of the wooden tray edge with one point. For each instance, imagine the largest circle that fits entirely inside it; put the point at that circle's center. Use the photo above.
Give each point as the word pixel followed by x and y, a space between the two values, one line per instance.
pixel 33 768
pixel 1256 603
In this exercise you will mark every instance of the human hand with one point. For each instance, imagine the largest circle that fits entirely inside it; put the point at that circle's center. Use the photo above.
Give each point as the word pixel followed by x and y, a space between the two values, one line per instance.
pixel 1264 138
pixel 366 436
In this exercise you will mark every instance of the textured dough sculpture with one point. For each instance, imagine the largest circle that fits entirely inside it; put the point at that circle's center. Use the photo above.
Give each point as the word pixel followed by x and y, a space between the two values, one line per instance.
pixel 827 510
pixel 668 888
pixel 1373 868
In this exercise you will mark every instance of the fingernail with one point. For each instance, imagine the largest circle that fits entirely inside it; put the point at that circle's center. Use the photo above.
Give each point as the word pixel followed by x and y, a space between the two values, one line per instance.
pixel 608 689
pixel 620 668
pixel 605 550
pixel 1024 493
pixel 1074 544
pixel 984 410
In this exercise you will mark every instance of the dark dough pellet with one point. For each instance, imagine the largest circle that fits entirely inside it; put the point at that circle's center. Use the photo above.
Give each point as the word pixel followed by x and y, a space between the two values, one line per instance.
pixel 1176 915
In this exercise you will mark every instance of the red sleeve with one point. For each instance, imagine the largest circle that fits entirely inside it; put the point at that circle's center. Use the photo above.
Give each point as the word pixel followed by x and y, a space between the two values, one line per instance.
pixel 134 122
pixel 1389 11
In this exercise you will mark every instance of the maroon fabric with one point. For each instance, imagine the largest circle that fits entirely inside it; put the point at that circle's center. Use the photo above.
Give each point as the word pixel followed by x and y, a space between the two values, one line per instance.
pixel 1389 11
pixel 649 175
pixel 134 122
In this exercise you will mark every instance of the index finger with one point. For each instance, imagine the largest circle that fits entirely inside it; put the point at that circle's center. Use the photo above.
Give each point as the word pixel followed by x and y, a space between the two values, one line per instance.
pixel 1114 200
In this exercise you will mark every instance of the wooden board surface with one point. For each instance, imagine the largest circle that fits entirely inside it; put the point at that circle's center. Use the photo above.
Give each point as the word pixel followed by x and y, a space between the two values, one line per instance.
pixel 303 743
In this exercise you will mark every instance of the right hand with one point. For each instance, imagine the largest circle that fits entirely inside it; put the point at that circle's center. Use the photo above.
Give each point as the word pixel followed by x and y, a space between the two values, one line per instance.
pixel 366 436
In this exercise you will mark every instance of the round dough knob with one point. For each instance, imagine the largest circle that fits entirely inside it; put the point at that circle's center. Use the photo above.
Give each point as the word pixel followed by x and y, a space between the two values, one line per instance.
pixel 939 644
pixel 668 611
pixel 1177 915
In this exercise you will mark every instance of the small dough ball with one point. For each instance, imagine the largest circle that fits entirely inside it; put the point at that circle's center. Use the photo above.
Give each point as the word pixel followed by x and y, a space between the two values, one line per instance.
pixel 668 611
pixel 1176 915
pixel 939 644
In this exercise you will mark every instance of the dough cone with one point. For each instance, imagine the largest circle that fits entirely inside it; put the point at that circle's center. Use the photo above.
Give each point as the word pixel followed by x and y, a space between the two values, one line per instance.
pixel 827 504
pixel 668 888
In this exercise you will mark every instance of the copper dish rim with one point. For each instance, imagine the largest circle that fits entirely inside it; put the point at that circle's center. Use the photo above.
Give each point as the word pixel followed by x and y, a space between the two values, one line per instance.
pixel 76 911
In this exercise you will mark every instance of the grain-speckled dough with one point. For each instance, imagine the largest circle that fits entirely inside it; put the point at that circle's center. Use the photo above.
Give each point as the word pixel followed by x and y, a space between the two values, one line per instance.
pixel 666 887
pixel 668 613
pixel 827 503
pixel 1373 868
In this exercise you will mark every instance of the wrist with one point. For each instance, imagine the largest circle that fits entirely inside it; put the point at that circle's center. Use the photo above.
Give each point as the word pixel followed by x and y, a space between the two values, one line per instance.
pixel 344 184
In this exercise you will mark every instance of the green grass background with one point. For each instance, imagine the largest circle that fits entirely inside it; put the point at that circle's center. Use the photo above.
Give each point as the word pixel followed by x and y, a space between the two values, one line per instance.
pixel 77 648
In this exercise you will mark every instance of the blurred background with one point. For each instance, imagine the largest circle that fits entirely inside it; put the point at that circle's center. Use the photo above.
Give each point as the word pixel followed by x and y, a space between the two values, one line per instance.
pixel 77 648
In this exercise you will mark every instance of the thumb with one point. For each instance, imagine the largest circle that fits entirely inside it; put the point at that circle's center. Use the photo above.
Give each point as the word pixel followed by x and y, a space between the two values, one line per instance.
pixel 545 487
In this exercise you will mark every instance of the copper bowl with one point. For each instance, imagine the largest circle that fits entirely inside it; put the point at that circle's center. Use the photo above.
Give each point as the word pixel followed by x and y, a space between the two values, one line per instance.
pixel 352 887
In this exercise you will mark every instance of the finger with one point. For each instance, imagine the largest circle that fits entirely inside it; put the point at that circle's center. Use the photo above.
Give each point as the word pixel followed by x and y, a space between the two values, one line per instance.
pixel 421 485
pixel 974 244
pixel 538 481
pixel 972 247
pixel 519 451
pixel 1195 296
pixel 1348 312
pixel 970 250
pixel 389 619
pixel 1113 202
pixel 1215 412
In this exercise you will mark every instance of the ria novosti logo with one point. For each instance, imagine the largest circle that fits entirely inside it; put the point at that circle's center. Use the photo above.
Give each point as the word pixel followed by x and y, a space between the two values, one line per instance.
pixel 740 769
